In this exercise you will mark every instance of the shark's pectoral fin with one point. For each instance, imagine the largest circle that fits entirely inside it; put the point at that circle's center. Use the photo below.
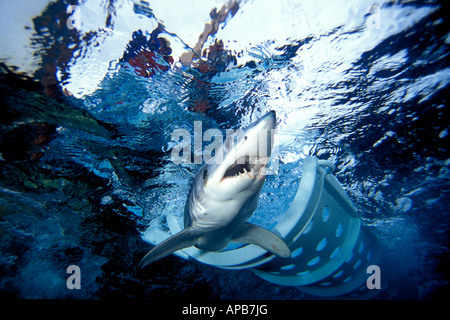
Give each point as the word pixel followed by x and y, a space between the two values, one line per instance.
pixel 249 233
pixel 181 240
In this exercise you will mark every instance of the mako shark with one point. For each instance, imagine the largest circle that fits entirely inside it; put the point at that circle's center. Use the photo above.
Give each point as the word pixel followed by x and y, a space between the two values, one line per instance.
pixel 224 195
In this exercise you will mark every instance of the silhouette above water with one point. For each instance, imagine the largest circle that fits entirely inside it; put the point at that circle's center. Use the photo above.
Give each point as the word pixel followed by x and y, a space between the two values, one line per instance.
pixel 146 56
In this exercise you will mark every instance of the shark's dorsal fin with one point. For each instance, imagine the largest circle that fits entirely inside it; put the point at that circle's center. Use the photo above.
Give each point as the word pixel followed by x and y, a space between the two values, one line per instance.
pixel 183 239
pixel 249 233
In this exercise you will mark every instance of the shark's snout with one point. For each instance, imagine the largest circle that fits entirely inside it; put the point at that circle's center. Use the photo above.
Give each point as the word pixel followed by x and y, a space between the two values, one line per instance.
pixel 266 122
pixel 269 119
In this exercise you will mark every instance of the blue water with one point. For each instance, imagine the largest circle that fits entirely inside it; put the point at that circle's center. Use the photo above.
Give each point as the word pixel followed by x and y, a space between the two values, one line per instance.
pixel 85 141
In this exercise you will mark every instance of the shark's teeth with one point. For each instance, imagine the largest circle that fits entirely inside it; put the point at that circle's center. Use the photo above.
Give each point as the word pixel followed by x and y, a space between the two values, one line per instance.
pixel 247 169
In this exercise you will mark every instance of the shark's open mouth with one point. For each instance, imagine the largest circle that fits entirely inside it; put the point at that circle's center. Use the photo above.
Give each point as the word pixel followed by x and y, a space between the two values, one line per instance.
pixel 245 166
pixel 238 168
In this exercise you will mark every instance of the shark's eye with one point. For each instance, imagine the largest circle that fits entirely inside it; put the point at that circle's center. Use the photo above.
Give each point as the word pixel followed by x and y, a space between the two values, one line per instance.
pixel 237 168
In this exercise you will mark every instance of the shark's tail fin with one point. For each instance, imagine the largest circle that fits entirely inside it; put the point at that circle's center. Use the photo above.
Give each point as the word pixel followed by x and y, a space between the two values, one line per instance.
pixel 181 240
